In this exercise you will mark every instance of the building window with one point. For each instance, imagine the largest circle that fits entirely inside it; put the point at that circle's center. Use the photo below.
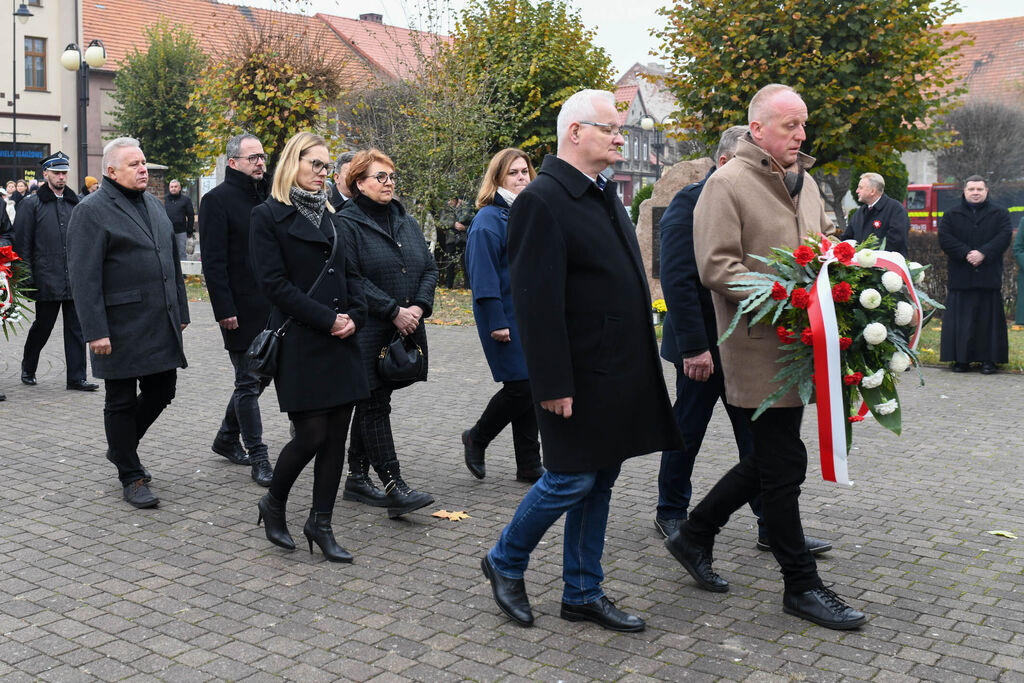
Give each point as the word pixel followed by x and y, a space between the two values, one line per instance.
pixel 35 63
pixel 35 3
pixel 636 148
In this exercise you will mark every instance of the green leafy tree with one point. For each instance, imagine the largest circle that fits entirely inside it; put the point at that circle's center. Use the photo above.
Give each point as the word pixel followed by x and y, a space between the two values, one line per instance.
pixel 530 57
pixel 874 75
pixel 152 91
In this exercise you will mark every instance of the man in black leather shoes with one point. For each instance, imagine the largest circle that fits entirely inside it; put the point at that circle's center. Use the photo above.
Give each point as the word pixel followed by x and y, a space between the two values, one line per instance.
pixel 138 494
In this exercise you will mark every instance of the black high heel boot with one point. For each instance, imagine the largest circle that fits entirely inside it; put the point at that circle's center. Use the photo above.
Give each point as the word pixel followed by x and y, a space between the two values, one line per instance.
pixel 318 528
pixel 400 498
pixel 272 510
pixel 358 486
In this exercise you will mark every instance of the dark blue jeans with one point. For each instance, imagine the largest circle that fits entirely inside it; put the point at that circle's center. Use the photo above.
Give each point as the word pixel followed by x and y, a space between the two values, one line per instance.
pixel 694 406
pixel 242 417
pixel 583 497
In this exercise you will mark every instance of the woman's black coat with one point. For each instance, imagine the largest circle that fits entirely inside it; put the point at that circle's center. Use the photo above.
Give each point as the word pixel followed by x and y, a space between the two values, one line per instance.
pixel 397 271
pixel 315 370
pixel 987 228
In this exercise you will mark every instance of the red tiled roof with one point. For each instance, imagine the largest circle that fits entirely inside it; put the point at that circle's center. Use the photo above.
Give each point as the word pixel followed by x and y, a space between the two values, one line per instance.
pixel 625 93
pixel 993 67
pixel 393 51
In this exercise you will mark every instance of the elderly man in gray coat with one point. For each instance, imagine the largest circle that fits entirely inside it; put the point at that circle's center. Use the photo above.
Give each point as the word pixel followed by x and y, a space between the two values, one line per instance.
pixel 130 295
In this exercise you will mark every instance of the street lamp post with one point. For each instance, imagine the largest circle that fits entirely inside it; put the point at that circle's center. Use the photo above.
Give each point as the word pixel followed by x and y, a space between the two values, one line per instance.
pixel 21 14
pixel 649 124
pixel 73 60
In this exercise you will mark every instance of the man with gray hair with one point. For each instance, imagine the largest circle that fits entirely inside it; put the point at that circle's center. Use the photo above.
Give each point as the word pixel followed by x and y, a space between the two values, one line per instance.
pixel 338 196
pixel 239 306
pixel 879 215
pixel 580 296
pixel 130 295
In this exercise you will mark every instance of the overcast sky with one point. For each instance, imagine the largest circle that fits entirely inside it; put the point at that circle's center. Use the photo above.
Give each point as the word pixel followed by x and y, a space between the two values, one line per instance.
pixel 623 28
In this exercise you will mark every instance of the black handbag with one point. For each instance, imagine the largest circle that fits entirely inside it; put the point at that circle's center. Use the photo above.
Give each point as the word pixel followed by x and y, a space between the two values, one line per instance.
pixel 262 352
pixel 401 360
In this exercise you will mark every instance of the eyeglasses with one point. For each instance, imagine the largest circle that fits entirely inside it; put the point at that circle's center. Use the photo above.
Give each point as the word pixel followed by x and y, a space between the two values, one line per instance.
pixel 254 158
pixel 604 127
pixel 383 177
pixel 319 166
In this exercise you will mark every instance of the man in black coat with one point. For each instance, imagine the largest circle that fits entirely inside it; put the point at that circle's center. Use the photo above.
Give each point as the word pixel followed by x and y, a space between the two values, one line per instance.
pixel 179 210
pixel 880 215
pixel 240 308
pixel 130 295
pixel 41 230
pixel 338 198
pixel 583 309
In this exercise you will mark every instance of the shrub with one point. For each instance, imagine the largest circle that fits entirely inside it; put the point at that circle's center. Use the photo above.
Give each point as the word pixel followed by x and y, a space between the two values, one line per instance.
pixel 641 194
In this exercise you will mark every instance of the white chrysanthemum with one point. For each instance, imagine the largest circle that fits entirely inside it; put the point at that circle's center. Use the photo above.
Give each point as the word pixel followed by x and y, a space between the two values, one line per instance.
pixel 870 298
pixel 875 333
pixel 899 362
pixel 873 380
pixel 904 313
pixel 891 281
pixel 887 408
pixel 914 265
pixel 866 258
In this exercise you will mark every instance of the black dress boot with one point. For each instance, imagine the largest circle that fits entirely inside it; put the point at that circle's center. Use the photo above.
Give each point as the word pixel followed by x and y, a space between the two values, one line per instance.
pixel 400 499
pixel 272 511
pixel 318 529
pixel 358 486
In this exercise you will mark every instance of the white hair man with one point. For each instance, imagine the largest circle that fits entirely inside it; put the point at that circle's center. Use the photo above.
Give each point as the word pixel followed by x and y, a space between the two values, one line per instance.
pixel 879 215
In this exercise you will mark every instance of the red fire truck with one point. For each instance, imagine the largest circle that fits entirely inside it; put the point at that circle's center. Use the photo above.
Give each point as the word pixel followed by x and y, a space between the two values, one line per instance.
pixel 926 203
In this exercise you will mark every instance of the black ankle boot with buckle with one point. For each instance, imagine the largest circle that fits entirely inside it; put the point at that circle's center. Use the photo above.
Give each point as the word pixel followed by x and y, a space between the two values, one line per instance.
pixel 358 487
pixel 400 499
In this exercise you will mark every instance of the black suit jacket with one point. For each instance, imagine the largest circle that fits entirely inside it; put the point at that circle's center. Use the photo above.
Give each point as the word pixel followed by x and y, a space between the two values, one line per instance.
pixel 887 220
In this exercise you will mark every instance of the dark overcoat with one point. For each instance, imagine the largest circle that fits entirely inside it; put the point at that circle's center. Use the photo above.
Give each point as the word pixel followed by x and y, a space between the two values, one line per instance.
pixel 584 314
pixel 985 227
pixel 397 272
pixel 41 240
pixel 689 328
pixel 315 370
pixel 127 284
pixel 887 220
pixel 224 215
pixel 487 262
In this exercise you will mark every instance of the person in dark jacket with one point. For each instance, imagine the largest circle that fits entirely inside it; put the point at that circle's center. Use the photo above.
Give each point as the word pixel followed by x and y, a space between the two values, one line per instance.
pixel 179 210
pixel 338 189
pixel 1018 255
pixel 399 278
pixel 879 215
pixel 239 307
pixel 130 296
pixel 584 314
pixel 975 234
pixel 295 238
pixel 452 224
pixel 487 258
pixel 21 191
pixel 41 230
pixel 6 240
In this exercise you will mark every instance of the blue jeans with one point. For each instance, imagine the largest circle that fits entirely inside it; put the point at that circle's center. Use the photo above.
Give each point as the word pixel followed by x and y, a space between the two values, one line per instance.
pixel 583 497
pixel 242 416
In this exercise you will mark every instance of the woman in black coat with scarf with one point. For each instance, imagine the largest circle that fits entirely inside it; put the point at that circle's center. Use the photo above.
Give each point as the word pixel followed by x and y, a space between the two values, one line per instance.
pixel 399 277
pixel 295 236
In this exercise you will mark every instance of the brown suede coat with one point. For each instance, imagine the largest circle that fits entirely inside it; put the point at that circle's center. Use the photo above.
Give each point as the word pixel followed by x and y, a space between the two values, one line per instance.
pixel 746 209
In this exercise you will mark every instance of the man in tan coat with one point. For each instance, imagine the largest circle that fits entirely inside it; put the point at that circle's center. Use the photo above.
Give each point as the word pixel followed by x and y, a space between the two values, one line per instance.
pixel 763 198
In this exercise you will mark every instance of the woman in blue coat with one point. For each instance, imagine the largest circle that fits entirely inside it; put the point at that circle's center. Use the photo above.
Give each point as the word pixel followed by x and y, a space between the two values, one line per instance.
pixel 487 262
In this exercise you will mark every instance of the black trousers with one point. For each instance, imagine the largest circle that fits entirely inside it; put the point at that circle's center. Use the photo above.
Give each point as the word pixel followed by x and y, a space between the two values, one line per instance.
pixel 39 333
pixel 371 430
pixel 242 416
pixel 127 415
pixel 319 434
pixel 512 404
pixel 776 470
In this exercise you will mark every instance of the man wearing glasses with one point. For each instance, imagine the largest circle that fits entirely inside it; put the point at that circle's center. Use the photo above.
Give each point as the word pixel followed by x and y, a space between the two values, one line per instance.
pixel 580 295
pixel 239 307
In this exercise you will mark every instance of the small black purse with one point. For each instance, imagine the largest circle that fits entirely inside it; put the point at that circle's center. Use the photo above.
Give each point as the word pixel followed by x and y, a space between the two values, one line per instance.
pixel 261 355
pixel 400 361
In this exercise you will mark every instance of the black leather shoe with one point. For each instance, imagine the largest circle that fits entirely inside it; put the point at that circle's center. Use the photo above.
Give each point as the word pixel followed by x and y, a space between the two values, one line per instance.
pixel 360 489
pixel 823 607
pixel 232 451
pixel 697 561
pixel 262 472
pixel 3 396
pixel 82 385
pixel 510 594
pixel 28 378
pixel 146 478
pixel 139 495
pixel 815 546
pixel 603 613
pixel 989 368
pixel 961 367
pixel 667 527
pixel 530 476
pixel 474 456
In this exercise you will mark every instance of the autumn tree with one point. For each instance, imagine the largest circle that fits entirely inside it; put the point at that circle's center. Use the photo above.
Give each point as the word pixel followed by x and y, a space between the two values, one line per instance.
pixel 529 57
pixel 152 89
pixel 988 142
pixel 281 77
pixel 874 75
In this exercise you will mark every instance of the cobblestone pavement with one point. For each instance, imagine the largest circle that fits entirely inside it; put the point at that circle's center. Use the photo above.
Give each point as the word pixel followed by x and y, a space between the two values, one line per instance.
pixel 93 589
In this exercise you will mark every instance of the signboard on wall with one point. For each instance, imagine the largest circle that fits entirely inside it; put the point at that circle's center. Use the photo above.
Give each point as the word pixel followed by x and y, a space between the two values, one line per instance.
pixel 29 156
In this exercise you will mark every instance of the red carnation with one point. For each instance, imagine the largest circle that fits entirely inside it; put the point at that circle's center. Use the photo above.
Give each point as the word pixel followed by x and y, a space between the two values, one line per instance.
pixel 842 292
pixel 845 343
pixel 803 255
pixel 807 337
pixel 844 252
pixel 7 254
pixel 855 418
pixel 779 292
pixel 784 336
pixel 853 379
pixel 801 298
